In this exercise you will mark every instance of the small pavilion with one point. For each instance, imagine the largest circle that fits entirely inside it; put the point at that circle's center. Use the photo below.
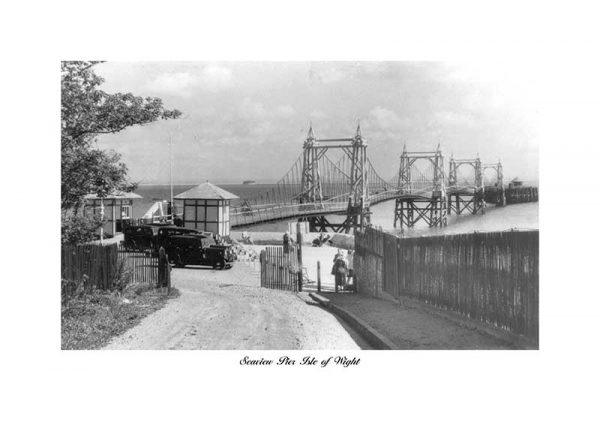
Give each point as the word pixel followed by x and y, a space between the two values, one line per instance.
pixel 206 208
pixel 118 207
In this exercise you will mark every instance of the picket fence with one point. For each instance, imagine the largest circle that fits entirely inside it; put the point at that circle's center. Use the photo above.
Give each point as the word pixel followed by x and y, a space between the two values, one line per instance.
pixel 279 270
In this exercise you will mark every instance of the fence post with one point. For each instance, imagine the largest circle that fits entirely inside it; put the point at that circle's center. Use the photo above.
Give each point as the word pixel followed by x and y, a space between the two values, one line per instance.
pixel 318 276
pixel 299 241
pixel 263 268
pixel 168 275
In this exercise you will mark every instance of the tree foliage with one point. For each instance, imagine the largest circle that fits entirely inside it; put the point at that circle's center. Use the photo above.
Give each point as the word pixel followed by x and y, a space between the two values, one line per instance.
pixel 87 111
pixel 77 229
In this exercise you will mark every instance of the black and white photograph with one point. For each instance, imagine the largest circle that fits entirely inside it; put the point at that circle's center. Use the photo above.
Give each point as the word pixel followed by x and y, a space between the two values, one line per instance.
pixel 299 212
pixel 297 206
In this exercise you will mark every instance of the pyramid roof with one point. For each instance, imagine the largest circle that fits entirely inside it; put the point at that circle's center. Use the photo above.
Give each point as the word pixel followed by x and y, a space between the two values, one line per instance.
pixel 206 191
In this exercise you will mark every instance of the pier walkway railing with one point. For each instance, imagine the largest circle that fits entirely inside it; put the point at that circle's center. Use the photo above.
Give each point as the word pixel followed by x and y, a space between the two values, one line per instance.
pixel 254 214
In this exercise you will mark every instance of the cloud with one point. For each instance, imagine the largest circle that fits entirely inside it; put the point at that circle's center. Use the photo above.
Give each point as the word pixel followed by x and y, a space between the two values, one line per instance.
pixel 317 114
pixel 211 78
pixel 256 111
pixel 285 111
pixel 175 83
pixel 251 110
pixel 326 73
pixel 215 78
pixel 386 119
pixel 453 118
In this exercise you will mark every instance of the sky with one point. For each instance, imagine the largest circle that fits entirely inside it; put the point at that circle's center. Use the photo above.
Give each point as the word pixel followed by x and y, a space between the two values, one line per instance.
pixel 248 120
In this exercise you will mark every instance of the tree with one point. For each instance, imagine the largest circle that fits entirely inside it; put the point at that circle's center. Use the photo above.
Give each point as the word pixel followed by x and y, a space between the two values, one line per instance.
pixel 87 111
pixel 76 229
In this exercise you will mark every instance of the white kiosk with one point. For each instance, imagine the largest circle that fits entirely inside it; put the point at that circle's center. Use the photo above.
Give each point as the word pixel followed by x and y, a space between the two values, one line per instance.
pixel 206 207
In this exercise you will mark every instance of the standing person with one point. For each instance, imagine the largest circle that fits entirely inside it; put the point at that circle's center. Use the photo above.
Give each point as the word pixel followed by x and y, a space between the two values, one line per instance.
pixel 340 271
pixel 286 243
pixel 338 255
pixel 350 267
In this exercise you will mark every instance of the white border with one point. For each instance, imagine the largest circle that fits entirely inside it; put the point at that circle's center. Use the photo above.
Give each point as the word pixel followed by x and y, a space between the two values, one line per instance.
pixel 43 384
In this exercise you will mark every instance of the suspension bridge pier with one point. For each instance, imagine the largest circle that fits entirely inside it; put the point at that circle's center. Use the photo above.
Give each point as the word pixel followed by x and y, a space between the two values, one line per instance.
pixel 341 179
pixel 410 209
pixel 495 192
pixel 357 217
pixel 421 196
pixel 466 194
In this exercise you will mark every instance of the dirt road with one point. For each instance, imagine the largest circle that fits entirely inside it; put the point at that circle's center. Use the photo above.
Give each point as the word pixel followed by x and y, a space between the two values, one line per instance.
pixel 228 309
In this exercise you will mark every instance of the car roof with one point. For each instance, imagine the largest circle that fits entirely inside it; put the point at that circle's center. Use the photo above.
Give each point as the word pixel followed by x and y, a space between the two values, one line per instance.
pixel 182 229
pixel 188 237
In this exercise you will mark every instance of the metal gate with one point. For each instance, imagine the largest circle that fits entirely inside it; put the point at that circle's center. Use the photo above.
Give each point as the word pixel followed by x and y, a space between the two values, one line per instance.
pixel 280 270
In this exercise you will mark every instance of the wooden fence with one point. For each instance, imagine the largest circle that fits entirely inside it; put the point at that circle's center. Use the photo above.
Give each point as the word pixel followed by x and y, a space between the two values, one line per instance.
pixel 97 262
pixel 107 266
pixel 279 270
pixel 491 277
pixel 141 267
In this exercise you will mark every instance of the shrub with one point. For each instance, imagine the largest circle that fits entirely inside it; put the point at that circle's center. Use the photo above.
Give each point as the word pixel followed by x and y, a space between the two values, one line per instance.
pixel 122 276
pixel 78 229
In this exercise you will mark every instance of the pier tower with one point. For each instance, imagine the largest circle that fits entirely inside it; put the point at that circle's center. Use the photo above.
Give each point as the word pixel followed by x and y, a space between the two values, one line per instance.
pixel 494 188
pixel 465 192
pixel 354 174
pixel 421 193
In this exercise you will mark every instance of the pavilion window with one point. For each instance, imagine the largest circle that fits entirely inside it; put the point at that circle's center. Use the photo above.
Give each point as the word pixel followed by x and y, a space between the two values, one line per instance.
pixel 126 211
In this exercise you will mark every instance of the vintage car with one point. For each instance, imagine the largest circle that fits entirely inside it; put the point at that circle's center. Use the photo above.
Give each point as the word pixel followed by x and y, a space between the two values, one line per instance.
pixel 168 231
pixel 140 238
pixel 178 245
pixel 199 250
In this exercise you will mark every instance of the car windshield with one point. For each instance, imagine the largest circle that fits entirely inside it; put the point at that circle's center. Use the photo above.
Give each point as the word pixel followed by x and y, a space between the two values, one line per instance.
pixel 205 242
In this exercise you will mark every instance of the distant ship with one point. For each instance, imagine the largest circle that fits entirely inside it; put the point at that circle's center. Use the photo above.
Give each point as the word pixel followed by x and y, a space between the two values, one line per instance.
pixel 249 182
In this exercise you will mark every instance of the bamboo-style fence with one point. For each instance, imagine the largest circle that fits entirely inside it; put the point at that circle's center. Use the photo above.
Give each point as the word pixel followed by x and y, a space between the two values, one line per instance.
pixel 106 266
pixel 491 277
pixel 92 265
pixel 141 267
pixel 280 270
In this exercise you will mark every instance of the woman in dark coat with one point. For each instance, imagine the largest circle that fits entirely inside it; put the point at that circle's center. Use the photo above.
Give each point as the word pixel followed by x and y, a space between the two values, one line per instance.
pixel 340 270
pixel 286 243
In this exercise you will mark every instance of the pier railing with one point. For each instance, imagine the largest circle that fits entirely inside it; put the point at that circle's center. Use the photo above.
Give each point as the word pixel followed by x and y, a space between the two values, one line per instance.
pixel 246 215
pixel 491 277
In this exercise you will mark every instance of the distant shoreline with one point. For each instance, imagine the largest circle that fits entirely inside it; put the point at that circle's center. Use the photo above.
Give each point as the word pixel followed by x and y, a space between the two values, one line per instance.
pixel 194 184
pixel 258 183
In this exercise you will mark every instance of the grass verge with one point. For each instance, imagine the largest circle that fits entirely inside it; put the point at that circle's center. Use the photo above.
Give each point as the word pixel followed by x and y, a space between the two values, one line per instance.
pixel 90 320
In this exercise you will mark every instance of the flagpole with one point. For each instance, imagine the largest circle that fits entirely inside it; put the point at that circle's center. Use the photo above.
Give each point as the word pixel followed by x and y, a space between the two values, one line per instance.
pixel 171 177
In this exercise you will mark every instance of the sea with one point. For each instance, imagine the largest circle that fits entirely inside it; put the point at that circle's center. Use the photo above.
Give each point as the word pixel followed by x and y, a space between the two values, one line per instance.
pixel 517 216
